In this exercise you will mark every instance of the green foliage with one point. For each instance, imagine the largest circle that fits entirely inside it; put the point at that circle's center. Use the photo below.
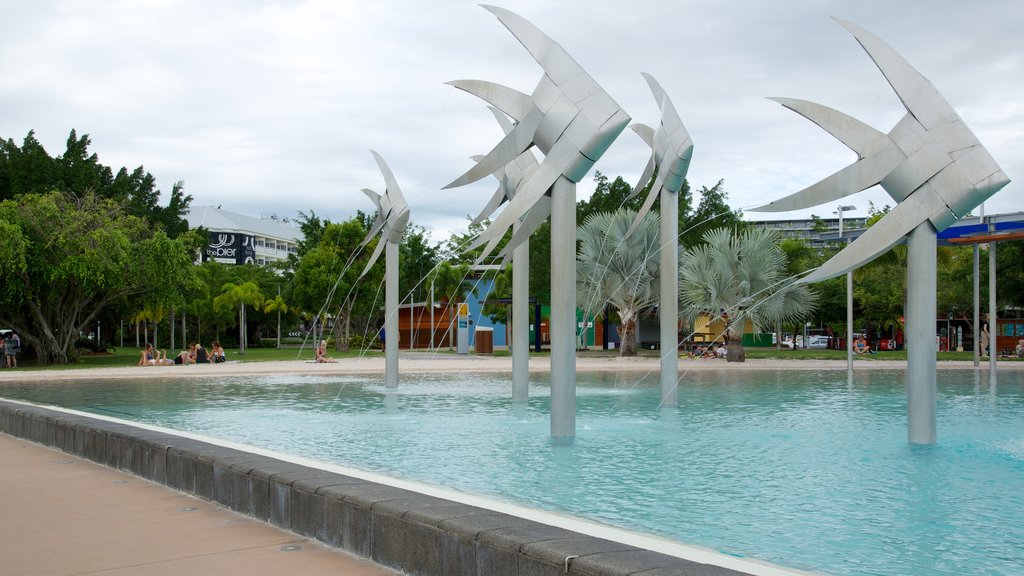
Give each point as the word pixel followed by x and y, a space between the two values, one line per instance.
pixel 66 259
pixel 418 258
pixel 613 268
pixel 29 169
pixel 740 276
pixel 327 279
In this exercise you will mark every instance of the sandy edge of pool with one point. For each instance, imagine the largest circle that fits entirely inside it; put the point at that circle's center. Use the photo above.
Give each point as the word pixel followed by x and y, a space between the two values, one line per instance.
pixel 417 362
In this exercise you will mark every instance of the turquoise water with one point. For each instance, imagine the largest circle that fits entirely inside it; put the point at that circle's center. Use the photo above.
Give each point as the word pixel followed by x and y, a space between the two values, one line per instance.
pixel 795 468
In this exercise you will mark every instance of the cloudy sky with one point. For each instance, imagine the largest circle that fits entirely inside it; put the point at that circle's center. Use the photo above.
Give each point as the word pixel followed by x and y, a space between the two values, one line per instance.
pixel 273 106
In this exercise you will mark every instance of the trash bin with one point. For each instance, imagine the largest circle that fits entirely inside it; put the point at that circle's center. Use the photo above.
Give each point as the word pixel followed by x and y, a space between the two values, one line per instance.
pixel 484 340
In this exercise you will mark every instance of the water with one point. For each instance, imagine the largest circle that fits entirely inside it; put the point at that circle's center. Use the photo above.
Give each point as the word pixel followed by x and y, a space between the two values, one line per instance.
pixel 795 468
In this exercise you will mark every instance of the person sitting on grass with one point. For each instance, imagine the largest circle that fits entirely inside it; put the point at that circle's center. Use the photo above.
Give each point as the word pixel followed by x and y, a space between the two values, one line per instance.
pixel 202 356
pixel 186 356
pixel 321 353
pixel 153 357
pixel 218 353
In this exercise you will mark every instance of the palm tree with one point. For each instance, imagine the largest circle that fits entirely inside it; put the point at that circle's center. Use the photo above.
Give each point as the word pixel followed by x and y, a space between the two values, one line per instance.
pixel 448 281
pixel 617 269
pixel 239 295
pixel 278 304
pixel 735 277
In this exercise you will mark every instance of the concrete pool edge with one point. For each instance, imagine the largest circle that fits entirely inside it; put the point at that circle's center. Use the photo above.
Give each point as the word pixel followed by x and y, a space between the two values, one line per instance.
pixel 394 526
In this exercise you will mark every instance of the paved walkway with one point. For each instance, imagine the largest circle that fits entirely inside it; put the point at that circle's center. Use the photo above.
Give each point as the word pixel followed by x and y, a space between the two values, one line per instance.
pixel 61 515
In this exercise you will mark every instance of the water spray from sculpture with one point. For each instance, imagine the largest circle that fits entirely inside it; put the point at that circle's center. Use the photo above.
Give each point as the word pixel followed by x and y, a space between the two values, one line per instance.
pixel 671 150
pixel 936 170
pixel 392 220
pixel 573 121
pixel 509 179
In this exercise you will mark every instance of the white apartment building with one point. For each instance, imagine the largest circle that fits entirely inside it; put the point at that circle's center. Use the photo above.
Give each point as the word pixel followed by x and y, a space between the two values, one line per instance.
pixel 239 239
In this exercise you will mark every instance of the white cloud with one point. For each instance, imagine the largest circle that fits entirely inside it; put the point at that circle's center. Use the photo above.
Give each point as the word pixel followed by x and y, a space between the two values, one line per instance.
pixel 273 106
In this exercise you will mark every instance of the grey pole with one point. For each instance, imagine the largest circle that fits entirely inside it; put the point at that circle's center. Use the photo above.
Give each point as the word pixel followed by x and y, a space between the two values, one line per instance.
pixel 521 321
pixel 669 304
pixel 431 347
pixel 993 320
pixel 849 304
pixel 390 314
pixel 563 310
pixel 977 305
pixel 977 292
pixel 921 306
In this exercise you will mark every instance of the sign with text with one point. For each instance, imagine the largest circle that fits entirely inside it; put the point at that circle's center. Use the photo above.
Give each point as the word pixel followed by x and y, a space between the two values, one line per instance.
pixel 228 248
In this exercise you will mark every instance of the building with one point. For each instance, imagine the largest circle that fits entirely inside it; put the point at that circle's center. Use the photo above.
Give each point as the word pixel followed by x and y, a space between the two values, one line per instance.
pixel 819 232
pixel 239 239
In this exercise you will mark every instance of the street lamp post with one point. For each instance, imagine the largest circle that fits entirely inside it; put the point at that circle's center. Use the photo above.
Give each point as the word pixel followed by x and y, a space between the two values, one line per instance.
pixel 849 297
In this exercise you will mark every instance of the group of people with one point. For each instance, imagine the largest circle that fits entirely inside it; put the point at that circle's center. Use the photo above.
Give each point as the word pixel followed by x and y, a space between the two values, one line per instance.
pixel 195 354
pixel 712 351
pixel 10 343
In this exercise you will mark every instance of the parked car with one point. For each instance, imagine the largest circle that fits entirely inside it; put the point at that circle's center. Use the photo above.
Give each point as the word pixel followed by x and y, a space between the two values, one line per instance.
pixel 814 341
pixel 787 341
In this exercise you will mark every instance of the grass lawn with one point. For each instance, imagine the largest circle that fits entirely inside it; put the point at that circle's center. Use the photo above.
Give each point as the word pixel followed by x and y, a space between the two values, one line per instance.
pixel 129 356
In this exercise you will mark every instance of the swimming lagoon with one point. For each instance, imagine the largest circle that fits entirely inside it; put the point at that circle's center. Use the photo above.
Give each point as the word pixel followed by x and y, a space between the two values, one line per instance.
pixel 797 468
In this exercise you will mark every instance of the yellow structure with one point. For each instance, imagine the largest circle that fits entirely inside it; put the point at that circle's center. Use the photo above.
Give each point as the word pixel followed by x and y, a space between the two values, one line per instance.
pixel 708 330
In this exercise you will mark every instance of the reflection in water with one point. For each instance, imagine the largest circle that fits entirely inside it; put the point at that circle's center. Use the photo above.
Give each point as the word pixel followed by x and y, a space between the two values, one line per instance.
pixel 755 464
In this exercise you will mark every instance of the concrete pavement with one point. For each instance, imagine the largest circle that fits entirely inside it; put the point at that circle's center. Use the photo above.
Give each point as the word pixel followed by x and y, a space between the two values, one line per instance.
pixel 62 515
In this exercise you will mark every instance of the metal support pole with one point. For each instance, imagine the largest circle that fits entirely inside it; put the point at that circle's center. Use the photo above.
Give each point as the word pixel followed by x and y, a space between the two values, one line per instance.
pixel 849 322
pixel 390 314
pixel 849 303
pixel 977 306
pixel 668 306
pixel 521 321
pixel 605 327
pixel 993 317
pixel 921 306
pixel 537 344
pixel 563 310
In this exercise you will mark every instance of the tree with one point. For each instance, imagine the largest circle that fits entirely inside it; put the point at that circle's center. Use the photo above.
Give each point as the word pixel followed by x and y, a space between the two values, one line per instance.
pixel 618 269
pixel 735 277
pixel 65 259
pixel 30 170
pixel 239 296
pixel 327 279
pixel 448 281
pixel 276 304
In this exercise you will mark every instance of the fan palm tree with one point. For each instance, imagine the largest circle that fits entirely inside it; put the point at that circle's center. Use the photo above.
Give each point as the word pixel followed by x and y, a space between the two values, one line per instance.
pixel 617 269
pixel 735 277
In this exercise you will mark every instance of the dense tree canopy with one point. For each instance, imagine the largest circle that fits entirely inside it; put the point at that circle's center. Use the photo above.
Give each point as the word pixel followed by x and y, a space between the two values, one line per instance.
pixel 327 280
pixel 65 259
pixel 82 243
pixel 29 169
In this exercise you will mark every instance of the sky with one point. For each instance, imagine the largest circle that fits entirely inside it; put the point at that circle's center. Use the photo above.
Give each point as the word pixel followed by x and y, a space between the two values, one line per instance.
pixel 272 107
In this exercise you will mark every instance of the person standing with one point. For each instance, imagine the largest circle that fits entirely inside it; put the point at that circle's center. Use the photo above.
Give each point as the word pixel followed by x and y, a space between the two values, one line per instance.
pixel 11 345
pixel 984 340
